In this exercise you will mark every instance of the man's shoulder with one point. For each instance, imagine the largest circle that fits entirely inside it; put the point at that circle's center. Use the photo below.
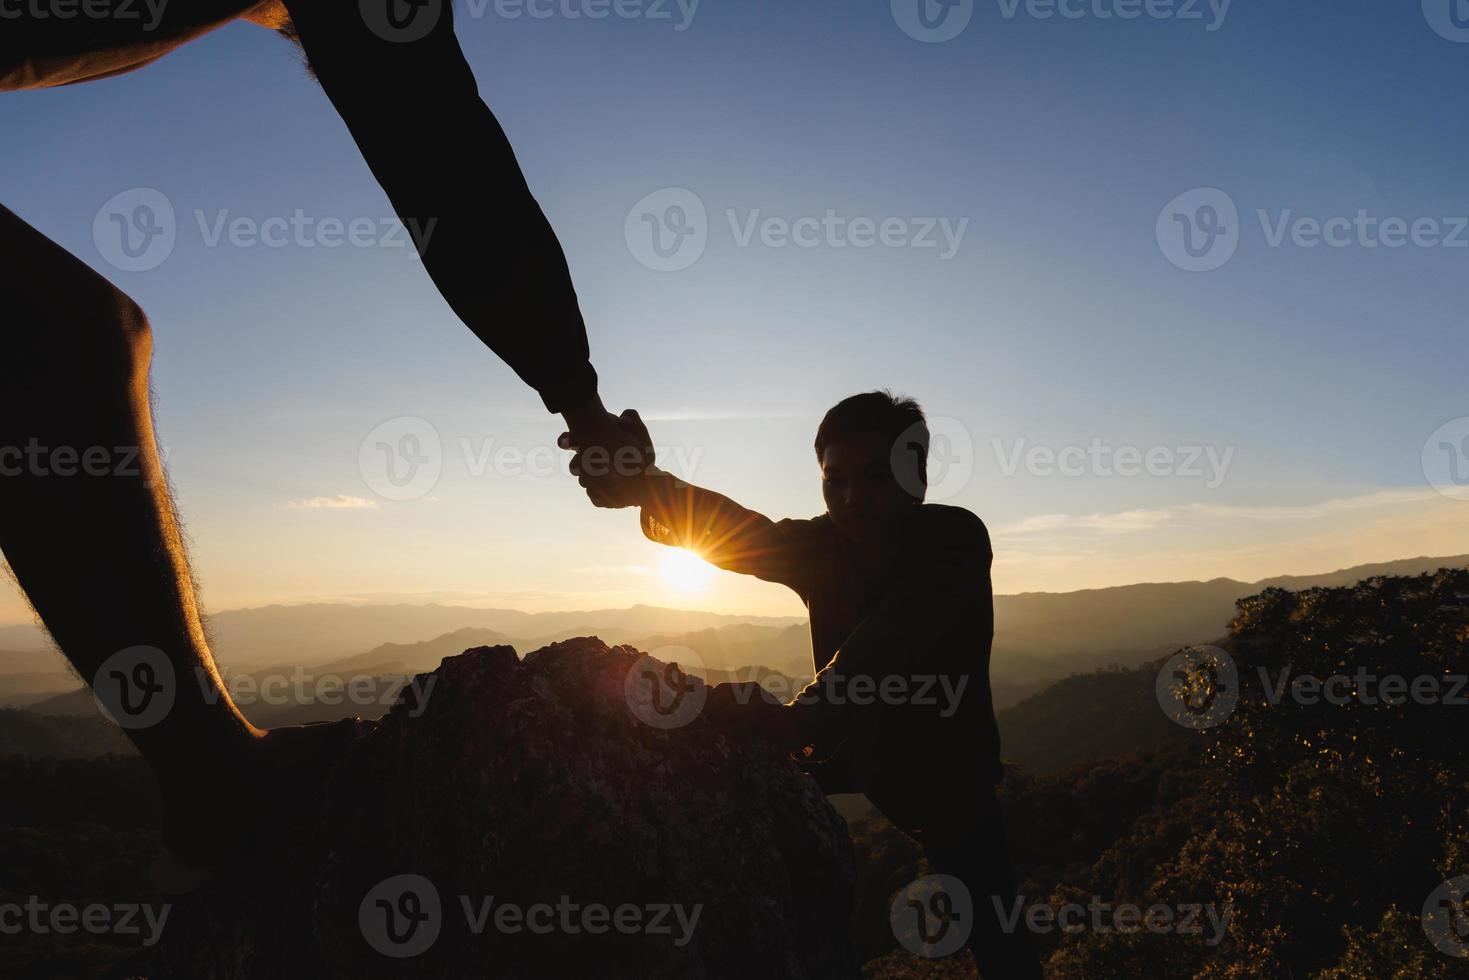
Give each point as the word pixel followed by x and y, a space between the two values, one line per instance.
pixel 819 529
pixel 954 526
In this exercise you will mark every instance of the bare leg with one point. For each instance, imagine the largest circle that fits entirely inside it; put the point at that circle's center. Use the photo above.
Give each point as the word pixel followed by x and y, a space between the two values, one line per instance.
pixel 96 547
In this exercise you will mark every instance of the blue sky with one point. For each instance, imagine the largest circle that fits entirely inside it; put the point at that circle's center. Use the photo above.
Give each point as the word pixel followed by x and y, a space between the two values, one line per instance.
pixel 1059 321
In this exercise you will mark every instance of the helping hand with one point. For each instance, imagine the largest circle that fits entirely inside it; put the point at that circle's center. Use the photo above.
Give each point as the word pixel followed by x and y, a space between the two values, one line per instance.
pixel 613 453
pixel 746 709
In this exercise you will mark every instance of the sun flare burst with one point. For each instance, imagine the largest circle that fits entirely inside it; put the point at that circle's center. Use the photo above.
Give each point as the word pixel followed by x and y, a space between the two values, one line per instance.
pixel 685 571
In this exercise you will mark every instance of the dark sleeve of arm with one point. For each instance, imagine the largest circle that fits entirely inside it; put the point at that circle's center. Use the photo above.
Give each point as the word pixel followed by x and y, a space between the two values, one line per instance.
pixel 725 534
pixel 449 170
pixel 947 592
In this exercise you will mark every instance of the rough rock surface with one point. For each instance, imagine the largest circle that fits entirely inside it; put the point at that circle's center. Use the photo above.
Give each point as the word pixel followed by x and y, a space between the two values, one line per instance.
pixel 534 782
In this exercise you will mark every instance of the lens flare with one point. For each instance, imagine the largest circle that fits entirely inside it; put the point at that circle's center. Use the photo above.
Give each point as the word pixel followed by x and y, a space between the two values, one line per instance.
pixel 685 571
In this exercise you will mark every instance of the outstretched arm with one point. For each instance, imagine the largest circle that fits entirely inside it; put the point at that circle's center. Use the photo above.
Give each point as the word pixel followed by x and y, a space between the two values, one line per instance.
pixel 711 525
pixel 727 535
pixel 414 110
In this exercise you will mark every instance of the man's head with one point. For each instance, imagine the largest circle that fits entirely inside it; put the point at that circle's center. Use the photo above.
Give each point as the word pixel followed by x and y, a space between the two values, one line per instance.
pixel 873 451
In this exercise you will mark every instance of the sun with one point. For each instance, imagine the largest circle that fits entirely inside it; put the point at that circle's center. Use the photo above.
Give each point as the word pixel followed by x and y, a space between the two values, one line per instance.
pixel 684 570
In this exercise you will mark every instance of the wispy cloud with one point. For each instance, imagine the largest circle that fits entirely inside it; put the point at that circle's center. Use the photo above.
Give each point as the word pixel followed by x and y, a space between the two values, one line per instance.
pixel 340 501
pixel 611 570
pixel 1133 521
pixel 718 415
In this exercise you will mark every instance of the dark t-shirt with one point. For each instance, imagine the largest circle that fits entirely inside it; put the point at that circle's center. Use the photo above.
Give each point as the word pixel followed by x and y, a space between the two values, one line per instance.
pixel 920 619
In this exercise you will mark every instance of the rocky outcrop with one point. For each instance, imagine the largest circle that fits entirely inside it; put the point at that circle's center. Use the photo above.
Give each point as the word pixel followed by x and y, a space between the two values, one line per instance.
pixel 565 815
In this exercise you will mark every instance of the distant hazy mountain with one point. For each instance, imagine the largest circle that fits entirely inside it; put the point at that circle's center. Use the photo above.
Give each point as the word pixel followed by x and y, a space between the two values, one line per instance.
pixel 315 633
pixel 412 658
pixel 1039 636
pixel 27 675
pixel 1141 621
pixel 728 648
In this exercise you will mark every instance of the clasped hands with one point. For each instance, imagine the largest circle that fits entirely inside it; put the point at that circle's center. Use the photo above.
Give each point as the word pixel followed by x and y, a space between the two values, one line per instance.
pixel 613 454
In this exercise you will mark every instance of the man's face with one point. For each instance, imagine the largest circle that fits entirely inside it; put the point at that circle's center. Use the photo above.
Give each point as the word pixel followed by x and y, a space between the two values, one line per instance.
pixel 862 494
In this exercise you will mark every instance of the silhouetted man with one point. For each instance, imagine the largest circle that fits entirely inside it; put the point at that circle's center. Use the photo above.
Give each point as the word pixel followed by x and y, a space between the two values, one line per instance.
pixel 101 557
pixel 902 618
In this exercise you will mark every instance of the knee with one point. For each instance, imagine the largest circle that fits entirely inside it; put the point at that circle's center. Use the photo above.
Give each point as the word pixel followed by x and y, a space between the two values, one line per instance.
pixel 95 335
pixel 133 336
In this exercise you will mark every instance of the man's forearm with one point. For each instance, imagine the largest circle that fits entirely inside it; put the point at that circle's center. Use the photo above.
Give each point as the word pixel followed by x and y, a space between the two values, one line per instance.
pixel 727 535
pixel 686 516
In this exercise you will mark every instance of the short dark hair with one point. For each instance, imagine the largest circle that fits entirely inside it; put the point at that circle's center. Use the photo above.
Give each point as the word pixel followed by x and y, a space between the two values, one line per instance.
pixel 882 413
